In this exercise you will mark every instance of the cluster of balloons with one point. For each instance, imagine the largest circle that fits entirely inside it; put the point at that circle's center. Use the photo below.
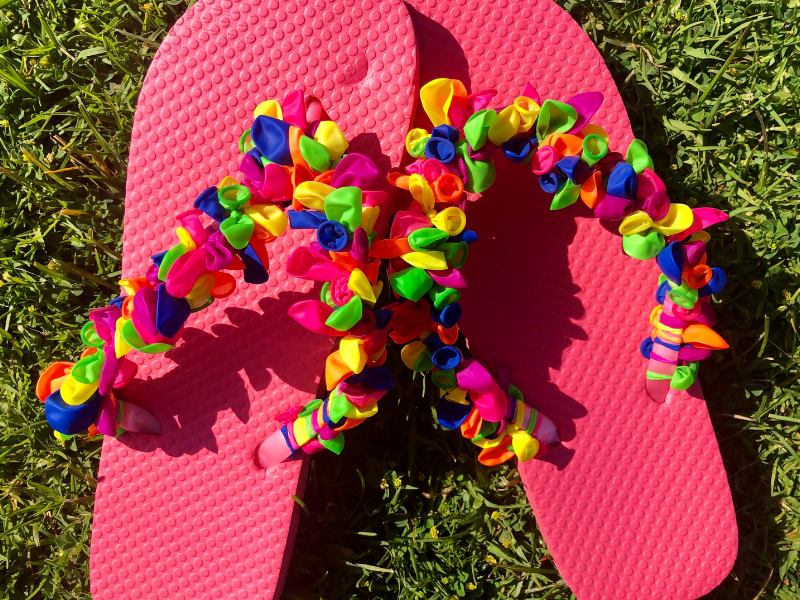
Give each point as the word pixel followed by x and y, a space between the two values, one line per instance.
pixel 296 173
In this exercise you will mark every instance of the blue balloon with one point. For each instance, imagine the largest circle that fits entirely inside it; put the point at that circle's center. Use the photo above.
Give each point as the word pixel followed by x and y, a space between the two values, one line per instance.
pixel 254 270
pixel 552 181
pixel 69 419
pixel 332 236
pixel 378 378
pixel 670 261
pixel 433 341
pixel 574 169
pixel 717 283
pixel 452 414
pixel 117 302
pixel 446 132
pixel 382 318
pixel 446 357
pixel 449 315
pixel 646 347
pixel 257 157
pixel 441 149
pixel 208 202
pixel 271 137
pixel 157 258
pixel 171 312
pixel 306 219
pixel 517 149
pixel 661 292
pixel 467 235
pixel 622 182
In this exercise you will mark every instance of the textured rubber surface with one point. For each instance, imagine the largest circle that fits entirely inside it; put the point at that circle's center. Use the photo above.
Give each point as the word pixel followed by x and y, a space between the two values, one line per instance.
pixel 188 514
pixel 636 503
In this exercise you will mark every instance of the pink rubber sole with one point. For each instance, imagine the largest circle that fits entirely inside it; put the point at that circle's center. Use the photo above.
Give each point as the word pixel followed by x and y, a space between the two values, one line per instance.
pixel 188 514
pixel 636 503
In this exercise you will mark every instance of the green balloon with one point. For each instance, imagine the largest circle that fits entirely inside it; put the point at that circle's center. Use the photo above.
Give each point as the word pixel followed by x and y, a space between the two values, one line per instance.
pixel 444 379
pixel 87 370
pixel 336 445
pixel 638 157
pixel 170 257
pixel 682 379
pixel 238 229
pixel 315 154
pixel 643 245
pixel 555 117
pixel 411 283
pixel 90 337
pixel 424 362
pixel 344 317
pixel 232 197
pixel 566 196
pixel 423 239
pixel 476 129
pixel 442 296
pixel 344 205
pixel 454 252
pixel 480 173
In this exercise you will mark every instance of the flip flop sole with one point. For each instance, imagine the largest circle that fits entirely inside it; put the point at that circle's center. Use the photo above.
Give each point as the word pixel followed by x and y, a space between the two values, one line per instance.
pixel 636 503
pixel 189 514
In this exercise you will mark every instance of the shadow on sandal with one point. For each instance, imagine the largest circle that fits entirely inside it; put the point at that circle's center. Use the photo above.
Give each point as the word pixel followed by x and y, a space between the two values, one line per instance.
pixel 257 343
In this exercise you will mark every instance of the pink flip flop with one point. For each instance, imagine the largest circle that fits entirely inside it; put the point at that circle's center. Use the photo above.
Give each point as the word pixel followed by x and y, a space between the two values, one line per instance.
pixel 188 514
pixel 635 503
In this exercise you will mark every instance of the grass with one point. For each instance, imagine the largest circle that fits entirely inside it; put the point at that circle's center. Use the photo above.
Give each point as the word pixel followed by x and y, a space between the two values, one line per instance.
pixel 712 86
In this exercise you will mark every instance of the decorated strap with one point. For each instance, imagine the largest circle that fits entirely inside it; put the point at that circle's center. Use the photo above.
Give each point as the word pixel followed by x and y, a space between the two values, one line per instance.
pixel 571 156
pixel 292 151
pixel 426 248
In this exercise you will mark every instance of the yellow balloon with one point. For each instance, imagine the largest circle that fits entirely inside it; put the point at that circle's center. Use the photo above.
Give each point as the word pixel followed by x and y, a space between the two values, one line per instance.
pixel 431 259
pixel 435 97
pixel 414 138
pixel 369 216
pixel 329 135
pixel 269 217
pixel 269 108
pixel 74 392
pixel 525 445
pixel 411 352
pixel 528 111
pixel 451 220
pixel 679 218
pixel 312 194
pixel 635 223
pixel 422 192
pixel 352 352
pixel 361 286
pixel 186 238
pixel 504 126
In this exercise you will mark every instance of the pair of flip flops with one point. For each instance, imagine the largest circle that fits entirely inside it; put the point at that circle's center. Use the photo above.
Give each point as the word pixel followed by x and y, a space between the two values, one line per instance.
pixel 633 504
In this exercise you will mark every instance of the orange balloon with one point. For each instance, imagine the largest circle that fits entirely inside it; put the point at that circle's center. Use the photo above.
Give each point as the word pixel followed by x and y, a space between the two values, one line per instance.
pixel 324 177
pixel 697 277
pixel 448 188
pixel 566 145
pixel 295 133
pixel 591 192
pixel 702 336
pixel 492 457
pixel 471 427
pixel 448 336
pixel 399 180
pixel 391 248
pixel 51 379
pixel 335 370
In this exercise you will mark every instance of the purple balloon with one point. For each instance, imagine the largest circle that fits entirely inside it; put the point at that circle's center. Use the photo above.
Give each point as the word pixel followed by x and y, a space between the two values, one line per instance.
pixel 613 208
pixel 586 105
pixel 355 170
